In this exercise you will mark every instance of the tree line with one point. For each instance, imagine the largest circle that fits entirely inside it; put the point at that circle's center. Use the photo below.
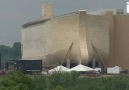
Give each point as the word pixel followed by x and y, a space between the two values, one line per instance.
pixel 62 81
pixel 9 53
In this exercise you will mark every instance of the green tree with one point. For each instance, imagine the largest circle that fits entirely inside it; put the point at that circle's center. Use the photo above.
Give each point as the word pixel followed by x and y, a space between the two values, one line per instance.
pixel 16 81
pixel 15 51
pixel 8 53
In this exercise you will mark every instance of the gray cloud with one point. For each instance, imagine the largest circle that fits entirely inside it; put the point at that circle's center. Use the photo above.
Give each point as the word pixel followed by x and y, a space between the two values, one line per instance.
pixel 14 13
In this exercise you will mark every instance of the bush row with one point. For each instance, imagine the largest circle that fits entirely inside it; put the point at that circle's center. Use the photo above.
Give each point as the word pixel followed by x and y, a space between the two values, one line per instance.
pixel 61 81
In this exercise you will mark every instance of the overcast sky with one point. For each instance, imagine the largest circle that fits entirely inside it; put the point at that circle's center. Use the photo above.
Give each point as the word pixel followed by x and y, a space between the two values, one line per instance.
pixel 15 13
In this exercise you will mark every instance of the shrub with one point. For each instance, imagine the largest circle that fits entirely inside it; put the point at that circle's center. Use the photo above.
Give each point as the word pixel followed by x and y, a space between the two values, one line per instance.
pixel 16 81
pixel 40 82
pixel 61 81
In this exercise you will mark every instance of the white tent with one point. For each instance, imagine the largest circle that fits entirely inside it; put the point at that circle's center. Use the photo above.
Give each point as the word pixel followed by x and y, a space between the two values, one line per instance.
pixel 81 67
pixel 59 68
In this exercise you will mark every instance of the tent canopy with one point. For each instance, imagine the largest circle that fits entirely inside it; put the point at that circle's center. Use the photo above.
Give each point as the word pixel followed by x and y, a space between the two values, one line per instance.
pixel 59 68
pixel 81 67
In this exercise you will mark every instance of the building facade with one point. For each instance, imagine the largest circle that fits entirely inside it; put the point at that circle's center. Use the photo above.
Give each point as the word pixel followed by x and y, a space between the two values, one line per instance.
pixel 77 37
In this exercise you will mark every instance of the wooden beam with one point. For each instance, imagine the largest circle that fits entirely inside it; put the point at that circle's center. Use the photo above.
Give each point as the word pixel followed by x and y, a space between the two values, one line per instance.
pixel 67 53
pixel 98 55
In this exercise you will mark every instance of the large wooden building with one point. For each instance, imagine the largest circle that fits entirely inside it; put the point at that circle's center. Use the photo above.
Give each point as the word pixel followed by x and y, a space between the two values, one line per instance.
pixel 78 37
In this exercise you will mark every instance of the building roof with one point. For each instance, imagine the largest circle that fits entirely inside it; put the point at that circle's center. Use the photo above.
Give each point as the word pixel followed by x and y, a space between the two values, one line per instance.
pixel 76 12
pixel 44 20
pixel 34 22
